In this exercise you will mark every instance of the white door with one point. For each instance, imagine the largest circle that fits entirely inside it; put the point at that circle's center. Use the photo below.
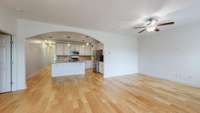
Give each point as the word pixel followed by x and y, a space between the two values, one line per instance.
pixel 5 65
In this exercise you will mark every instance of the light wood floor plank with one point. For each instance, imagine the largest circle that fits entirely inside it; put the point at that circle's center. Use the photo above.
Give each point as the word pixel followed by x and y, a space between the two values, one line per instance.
pixel 93 94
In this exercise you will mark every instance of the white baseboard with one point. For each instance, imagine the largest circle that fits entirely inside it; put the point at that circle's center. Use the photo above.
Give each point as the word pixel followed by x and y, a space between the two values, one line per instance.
pixel 189 83
pixel 112 76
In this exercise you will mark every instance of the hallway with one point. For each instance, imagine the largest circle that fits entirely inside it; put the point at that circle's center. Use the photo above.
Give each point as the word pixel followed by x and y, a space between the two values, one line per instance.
pixel 93 94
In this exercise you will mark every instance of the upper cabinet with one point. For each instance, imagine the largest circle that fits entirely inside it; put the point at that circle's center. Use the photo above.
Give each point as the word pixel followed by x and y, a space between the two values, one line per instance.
pixel 87 50
pixel 60 49
pixel 64 49
pixel 67 49
pixel 82 51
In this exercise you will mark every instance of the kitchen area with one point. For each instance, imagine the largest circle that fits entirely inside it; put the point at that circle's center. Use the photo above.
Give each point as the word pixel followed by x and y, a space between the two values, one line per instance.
pixel 77 55
pixel 64 53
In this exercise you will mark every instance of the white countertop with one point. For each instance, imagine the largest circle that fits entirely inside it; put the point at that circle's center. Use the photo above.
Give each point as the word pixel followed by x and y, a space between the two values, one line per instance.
pixel 55 62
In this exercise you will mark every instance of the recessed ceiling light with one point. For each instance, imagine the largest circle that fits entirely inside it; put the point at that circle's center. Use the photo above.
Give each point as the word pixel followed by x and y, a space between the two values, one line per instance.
pixel 68 44
pixel 151 28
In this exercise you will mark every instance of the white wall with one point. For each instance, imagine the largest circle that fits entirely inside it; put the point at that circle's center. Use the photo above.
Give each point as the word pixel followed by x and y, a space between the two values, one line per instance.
pixel 38 56
pixel 172 54
pixel 8 21
pixel 120 51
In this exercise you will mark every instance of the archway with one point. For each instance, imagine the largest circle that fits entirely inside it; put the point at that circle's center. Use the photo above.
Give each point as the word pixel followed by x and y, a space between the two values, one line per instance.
pixel 119 50
pixel 61 47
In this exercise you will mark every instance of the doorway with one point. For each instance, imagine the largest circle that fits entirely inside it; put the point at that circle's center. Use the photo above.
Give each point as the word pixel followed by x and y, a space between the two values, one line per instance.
pixel 5 62
pixel 83 54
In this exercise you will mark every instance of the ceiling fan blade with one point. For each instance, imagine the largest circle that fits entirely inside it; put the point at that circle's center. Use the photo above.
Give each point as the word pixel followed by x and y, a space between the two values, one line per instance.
pixel 157 30
pixel 167 23
pixel 139 27
pixel 142 31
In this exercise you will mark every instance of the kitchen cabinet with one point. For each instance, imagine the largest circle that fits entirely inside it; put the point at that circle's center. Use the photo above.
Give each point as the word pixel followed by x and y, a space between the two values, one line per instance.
pixel 76 47
pixel 59 49
pixel 89 64
pixel 67 49
pixel 81 50
pixel 64 49
pixel 73 48
pixel 87 50
pixel 67 69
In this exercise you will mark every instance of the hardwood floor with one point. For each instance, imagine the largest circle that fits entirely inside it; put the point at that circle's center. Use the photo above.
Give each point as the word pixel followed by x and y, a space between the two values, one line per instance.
pixel 93 94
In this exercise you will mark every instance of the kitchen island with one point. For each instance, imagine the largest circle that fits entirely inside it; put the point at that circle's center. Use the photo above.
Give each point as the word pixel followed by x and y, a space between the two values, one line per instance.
pixel 68 68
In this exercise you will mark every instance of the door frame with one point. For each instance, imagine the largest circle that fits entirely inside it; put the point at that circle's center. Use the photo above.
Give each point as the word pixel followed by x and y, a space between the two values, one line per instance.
pixel 11 57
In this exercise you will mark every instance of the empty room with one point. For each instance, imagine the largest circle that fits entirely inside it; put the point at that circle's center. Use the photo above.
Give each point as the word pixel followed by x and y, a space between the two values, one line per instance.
pixel 99 56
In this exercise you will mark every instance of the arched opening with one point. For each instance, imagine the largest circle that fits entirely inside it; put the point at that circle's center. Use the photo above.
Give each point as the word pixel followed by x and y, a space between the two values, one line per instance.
pixel 66 53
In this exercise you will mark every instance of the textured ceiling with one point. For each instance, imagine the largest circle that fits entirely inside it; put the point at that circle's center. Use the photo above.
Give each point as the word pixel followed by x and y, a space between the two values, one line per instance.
pixel 105 15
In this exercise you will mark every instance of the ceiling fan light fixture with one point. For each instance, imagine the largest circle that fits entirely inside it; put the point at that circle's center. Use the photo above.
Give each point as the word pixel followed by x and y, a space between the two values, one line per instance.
pixel 154 22
pixel 151 28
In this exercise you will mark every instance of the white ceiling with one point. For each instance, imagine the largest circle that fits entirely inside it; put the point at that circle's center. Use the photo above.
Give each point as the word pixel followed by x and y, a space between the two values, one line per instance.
pixel 106 15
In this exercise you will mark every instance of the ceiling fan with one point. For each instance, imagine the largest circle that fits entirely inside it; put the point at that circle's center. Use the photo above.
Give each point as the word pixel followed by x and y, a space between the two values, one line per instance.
pixel 151 25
